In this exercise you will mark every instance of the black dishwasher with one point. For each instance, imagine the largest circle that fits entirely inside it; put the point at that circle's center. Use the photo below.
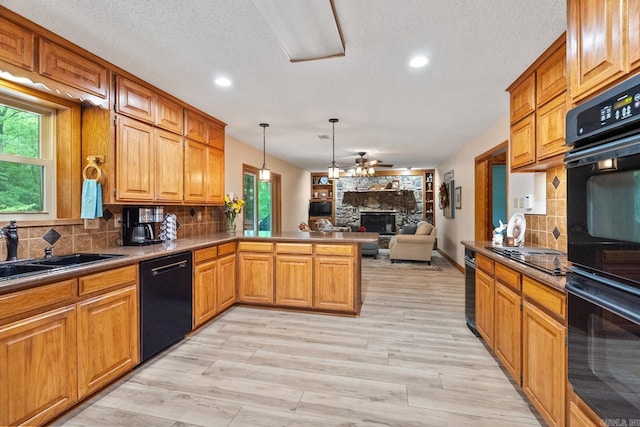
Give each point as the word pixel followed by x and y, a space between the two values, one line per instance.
pixel 470 290
pixel 165 302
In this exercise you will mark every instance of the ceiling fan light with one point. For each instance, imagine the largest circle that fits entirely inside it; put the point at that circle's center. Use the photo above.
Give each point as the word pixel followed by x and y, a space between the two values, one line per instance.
pixel 358 170
pixel 371 171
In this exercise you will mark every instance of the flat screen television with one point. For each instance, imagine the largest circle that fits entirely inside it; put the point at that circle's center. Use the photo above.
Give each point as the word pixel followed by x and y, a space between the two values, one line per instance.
pixel 320 208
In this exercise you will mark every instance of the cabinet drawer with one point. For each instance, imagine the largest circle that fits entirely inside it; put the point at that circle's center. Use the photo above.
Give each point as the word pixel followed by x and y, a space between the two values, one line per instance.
pixel 485 264
pixel 255 247
pixel 108 279
pixel 205 254
pixel 547 297
pixel 70 68
pixel 32 299
pixel 508 276
pixel 334 250
pixel 226 249
pixel 294 248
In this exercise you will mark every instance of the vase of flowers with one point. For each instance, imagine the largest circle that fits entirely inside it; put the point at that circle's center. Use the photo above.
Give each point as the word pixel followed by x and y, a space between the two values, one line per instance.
pixel 232 207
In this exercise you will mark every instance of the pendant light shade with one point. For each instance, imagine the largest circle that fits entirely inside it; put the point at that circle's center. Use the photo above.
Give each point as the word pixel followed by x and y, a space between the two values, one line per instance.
pixel 334 170
pixel 265 173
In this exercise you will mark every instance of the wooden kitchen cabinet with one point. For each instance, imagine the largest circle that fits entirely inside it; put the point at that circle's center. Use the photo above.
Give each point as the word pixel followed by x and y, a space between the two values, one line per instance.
pixel 108 344
pixel 135 100
pixel 169 115
pixel 18 47
pixel 205 291
pixel 599 44
pixel 215 134
pixel 255 276
pixel 544 363
pixel 38 367
pixel 334 283
pixel 508 329
pixel 196 126
pixel 227 280
pixel 294 274
pixel 215 176
pixel 136 165
pixel 169 177
pixel 485 290
pixel 538 109
pixel 195 172
pixel 214 281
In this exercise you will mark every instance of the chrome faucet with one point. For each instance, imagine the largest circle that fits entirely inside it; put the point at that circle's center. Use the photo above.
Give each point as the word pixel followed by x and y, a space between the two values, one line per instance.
pixel 11 237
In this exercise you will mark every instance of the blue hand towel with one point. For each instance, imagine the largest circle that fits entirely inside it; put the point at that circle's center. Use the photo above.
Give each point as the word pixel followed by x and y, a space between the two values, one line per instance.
pixel 91 199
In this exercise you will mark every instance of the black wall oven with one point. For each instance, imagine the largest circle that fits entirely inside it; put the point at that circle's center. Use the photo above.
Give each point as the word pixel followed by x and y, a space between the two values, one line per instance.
pixel 603 231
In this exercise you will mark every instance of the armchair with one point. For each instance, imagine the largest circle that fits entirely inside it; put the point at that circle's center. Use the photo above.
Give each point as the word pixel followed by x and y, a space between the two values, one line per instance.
pixel 415 247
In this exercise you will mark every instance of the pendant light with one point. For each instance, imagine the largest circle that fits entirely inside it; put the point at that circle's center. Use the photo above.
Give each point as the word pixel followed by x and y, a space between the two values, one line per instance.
pixel 265 173
pixel 334 170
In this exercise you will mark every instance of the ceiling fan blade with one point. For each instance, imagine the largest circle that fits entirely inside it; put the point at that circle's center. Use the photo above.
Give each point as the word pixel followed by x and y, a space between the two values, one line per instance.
pixel 384 165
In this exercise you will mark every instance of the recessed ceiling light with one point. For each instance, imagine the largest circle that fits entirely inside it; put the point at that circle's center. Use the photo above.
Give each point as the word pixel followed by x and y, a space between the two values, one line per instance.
pixel 222 81
pixel 419 61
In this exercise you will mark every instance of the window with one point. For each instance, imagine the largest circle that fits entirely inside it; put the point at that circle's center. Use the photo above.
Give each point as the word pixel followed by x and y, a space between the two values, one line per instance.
pixel 27 159
pixel 262 201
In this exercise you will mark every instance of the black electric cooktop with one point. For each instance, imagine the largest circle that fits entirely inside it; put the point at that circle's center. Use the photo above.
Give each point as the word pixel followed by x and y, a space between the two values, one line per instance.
pixel 550 261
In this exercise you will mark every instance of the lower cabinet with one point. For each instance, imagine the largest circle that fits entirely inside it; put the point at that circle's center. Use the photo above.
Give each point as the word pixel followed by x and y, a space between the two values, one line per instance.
pixel 50 360
pixel 508 331
pixel 38 368
pixel 544 363
pixel 334 283
pixel 294 280
pixel 107 338
pixel 205 292
pixel 214 281
pixel 227 281
pixel 485 306
pixel 255 278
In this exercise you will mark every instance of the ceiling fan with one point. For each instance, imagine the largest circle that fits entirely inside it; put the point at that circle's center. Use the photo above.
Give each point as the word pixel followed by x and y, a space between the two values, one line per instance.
pixel 364 166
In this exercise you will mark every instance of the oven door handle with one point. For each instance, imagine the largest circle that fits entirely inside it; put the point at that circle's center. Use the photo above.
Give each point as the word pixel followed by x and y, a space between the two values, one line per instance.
pixel 622 147
pixel 620 306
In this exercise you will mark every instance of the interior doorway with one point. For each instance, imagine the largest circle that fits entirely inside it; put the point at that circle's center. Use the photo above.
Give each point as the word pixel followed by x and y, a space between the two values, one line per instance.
pixel 491 191
pixel 262 201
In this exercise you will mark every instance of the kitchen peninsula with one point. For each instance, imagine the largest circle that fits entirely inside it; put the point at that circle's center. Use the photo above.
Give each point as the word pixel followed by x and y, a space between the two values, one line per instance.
pixel 80 324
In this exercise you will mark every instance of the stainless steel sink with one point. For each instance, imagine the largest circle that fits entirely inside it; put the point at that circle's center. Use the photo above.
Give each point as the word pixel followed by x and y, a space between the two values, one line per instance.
pixel 27 267
pixel 73 259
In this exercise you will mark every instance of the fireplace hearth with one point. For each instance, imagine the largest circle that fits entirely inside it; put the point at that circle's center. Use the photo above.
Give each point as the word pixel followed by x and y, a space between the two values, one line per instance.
pixel 381 222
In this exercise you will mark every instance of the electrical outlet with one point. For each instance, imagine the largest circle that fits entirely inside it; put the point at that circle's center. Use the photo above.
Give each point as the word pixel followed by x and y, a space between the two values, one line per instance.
pixel 515 202
pixel 117 219
pixel 92 224
pixel 199 216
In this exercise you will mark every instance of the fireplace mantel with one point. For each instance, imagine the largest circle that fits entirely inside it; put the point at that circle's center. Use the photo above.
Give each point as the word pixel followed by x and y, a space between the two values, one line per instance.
pixel 383 199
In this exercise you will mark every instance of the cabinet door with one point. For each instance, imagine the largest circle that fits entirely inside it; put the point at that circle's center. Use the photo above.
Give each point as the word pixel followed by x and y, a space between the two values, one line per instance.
pixel 544 358
pixel 215 176
pixel 38 369
pixel 18 45
pixel 226 282
pixel 551 77
pixel 508 330
pixel 523 98
pixel 255 278
pixel 135 100
pixel 334 283
pixel 550 131
pixel 216 134
pixel 135 168
pixel 195 126
pixel 205 292
pixel 107 338
pixel 195 170
pixel 577 417
pixel 294 280
pixel 170 167
pixel 596 44
pixel 169 115
pixel 523 142
pixel 484 306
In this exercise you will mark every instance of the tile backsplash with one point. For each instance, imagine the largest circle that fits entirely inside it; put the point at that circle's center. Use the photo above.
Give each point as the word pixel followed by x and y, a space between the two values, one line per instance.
pixel 66 239
pixel 550 230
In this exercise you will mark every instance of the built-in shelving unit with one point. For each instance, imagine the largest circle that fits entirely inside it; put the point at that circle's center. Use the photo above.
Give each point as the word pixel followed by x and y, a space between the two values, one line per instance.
pixel 429 197
pixel 322 190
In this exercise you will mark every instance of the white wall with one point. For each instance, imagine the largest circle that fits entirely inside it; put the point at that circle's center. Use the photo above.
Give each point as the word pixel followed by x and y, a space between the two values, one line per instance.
pixel 452 231
pixel 295 181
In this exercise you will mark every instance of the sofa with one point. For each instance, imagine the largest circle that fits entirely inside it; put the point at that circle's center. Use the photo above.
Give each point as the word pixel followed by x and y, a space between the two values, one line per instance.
pixel 413 247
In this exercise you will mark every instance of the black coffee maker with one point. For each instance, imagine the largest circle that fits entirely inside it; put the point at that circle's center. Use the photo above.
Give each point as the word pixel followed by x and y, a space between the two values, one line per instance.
pixel 138 226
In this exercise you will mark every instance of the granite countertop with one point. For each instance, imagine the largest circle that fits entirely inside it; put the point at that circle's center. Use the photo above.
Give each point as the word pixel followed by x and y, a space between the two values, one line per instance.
pixel 480 247
pixel 136 254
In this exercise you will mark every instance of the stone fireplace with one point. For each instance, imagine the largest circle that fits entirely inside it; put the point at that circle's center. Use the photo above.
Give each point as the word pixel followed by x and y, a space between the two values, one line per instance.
pixel 381 222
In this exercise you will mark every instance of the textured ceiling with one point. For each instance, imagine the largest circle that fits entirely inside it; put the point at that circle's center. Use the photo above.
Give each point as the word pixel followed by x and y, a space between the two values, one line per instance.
pixel 409 117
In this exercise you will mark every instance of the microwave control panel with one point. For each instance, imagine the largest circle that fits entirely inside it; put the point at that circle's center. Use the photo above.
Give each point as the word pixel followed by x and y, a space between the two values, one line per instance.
pixel 622 108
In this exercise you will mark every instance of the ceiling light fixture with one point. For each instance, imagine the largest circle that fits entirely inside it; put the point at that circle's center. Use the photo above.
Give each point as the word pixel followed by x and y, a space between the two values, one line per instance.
pixel 363 169
pixel 222 81
pixel 418 61
pixel 334 170
pixel 265 173
pixel 306 30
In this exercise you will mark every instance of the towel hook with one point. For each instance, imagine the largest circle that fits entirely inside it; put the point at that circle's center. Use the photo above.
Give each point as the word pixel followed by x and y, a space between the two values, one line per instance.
pixel 92 170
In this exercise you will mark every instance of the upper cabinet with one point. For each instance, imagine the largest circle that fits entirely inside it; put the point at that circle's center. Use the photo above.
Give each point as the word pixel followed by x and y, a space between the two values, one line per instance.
pixel 603 43
pixel 135 100
pixel 538 101
pixel 17 45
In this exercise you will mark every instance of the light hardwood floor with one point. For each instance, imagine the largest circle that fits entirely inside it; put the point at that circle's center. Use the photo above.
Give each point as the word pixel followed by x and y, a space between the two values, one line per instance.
pixel 408 360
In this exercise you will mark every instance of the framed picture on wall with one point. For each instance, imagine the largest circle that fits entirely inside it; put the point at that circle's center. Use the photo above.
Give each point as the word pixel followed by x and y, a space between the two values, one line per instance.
pixel 448 210
pixel 458 197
